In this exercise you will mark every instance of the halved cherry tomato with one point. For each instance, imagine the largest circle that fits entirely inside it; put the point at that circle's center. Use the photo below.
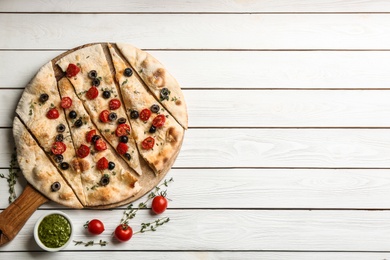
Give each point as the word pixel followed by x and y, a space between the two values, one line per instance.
pixel 95 226
pixel 53 113
pixel 159 121
pixel 83 151
pixel 100 145
pixel 159 204
pixel 66 102
pixel 123 232
pixel 145 114
pixel 102 164
pixel 92 93
pixel 148 143
pixel 89 135
pixel 58 148
pixel 122 129
pixel 104 116
pixel 72 70
pixel 114 104
pixel 122 148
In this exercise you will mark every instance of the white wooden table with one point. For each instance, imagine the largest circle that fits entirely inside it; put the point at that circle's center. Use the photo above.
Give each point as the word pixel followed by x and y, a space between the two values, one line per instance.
pixel 288 151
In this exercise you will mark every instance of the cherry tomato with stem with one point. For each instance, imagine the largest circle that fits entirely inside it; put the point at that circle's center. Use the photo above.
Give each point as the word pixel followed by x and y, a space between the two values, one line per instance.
pixel 123 232
pixel 95 226
pixel 159 204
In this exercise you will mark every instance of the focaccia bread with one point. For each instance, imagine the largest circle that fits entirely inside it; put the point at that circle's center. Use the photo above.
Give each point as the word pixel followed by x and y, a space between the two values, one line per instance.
pixel 90 132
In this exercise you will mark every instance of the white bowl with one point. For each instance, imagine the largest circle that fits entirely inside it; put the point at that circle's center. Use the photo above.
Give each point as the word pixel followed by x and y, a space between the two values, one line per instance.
pixel 36 237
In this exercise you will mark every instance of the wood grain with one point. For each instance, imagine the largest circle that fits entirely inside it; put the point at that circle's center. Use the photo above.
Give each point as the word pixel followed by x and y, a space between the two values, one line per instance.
pixel 264 148
pixel 268 108
pixel 177 6
pixel 268 189
pixel 228 31
pixel 13 218
pixel 235 230
pixel 240 69
pixel 196 255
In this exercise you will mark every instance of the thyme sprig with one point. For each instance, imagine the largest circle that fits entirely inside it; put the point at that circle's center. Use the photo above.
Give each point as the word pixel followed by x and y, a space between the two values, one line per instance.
pixel 152 226
pixel 90 243
pixel 130 212
pixel 13 174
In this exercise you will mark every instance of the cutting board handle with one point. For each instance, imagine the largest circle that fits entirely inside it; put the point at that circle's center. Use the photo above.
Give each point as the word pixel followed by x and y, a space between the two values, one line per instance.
pixel 13 218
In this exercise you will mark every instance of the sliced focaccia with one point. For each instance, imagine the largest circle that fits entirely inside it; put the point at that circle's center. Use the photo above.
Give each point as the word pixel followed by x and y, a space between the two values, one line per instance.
pixel 157 134
pixel 89 72
pixel 159 81
pixel 106 177
pixel 40 110
pixel 39 171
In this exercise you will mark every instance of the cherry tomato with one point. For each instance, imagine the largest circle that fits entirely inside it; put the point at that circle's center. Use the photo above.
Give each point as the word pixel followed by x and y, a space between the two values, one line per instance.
pixel 114 104
pixel 83 151
pixel 58 148
pixel 53 113
pixel 145 114
pixel 122 148
pixel 123 232
pixel 148 143
pixel 95 226
pixel 92 93
pixel 72 70
pixel 104 116
pixel 102 164
pixel 159 121
pixel 66 102
pixel 89 135
pixel 100 145
pixel 159 204
pixel 122 129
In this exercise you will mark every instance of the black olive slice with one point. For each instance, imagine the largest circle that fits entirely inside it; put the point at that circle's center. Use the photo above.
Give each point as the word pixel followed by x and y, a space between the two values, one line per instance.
pixel 111 165
pixel 128 72
pixel 59 138
pixel 155 108
pixel 105 180
pixel 152 129
pixel 164 94
pixel 106 94
pixel 43 97
pixel 128 156
pixel 58 158
pixel 112 116
pixel 56 186
pixel 64 166
pixel 134 114
pixel 121 120
pixel 72 114
pixel 78 123
pixel 61 128
pixel 96 82
pixel 123 139
pixel 92 74
pixel 95 138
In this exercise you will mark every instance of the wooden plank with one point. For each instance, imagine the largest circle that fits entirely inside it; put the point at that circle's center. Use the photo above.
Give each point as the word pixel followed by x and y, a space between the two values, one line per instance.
pixel 280 148
pixel 239 69
pixel 194 255
pixel 198 31
pixel 265 189
pixel 235 230
pixel 177 6
pixel 268 108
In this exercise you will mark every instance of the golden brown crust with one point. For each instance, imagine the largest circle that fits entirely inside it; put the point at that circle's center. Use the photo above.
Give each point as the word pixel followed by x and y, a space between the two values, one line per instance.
pixel 137 97
pixel 156 77
pixel 39 171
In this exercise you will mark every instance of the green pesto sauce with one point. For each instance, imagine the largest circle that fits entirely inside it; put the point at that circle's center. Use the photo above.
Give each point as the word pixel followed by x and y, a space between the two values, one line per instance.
pixel 54 231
